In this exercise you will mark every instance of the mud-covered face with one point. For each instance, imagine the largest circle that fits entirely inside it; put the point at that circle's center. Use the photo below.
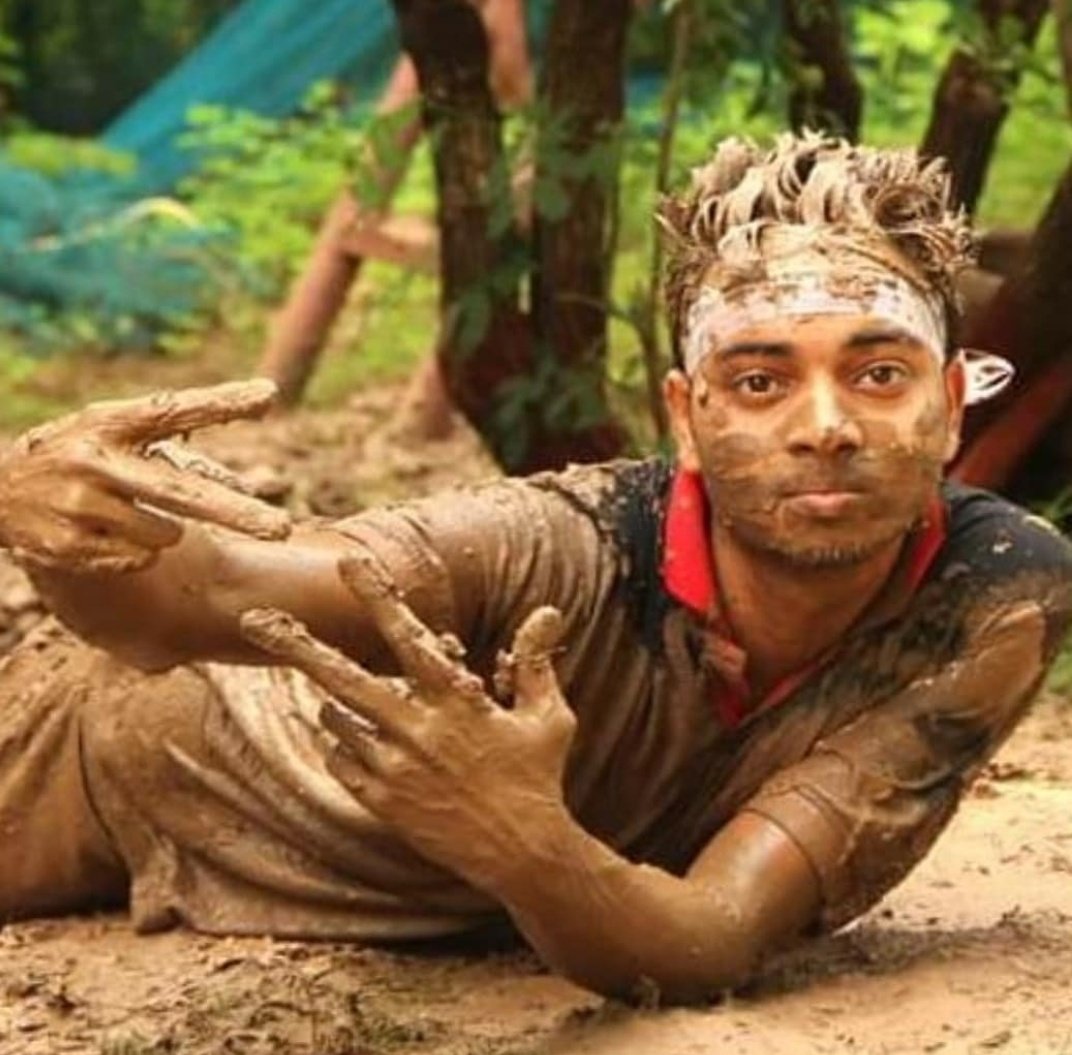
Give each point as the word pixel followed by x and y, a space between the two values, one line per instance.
pixel 821 438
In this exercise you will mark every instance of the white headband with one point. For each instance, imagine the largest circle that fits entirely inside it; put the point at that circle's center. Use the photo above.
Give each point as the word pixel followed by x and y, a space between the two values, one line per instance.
pixel 713 320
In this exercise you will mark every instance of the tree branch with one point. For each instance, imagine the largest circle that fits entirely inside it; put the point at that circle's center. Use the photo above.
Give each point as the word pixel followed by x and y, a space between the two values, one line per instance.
pixel 817 30
pixel 973 96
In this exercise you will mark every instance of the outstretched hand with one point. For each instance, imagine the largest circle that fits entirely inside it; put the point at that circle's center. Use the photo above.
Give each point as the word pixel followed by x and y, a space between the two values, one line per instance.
pixel 464 780
pixel 92 491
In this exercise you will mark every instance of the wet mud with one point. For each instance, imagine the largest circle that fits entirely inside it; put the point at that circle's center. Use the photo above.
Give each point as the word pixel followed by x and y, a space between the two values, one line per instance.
pixel 971 954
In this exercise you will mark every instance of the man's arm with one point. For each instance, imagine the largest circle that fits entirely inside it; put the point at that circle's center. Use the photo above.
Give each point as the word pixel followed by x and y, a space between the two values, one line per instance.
pixel 631 930
pixel 478 789
pixel 154 558
pixel 186 605
pixel 820 843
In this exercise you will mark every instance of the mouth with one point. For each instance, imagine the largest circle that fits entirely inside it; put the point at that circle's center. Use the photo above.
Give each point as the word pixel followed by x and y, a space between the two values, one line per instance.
pixel 823 503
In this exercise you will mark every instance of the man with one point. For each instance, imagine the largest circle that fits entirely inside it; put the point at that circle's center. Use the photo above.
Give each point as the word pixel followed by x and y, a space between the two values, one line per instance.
pixel 668 718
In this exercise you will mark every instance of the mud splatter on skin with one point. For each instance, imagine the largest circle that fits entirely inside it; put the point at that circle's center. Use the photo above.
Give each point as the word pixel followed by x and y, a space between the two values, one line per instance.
pixel 888 452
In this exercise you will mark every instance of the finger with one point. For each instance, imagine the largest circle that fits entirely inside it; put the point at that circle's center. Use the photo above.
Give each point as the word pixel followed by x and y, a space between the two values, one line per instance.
pixel 349 769
pixel 536 640
pixel 351 730
pixel 106 517
pixel 169 413
pixel 194 497
pixel 422 654
pixel 376 700
pixel 181 457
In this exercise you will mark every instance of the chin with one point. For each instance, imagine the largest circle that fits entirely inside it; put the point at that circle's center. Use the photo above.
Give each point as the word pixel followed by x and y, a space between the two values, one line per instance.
pixel 829 546
pixel 820 557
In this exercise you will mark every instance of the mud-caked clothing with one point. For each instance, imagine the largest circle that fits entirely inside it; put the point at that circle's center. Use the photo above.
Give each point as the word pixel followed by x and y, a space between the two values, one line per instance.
pixel 207 786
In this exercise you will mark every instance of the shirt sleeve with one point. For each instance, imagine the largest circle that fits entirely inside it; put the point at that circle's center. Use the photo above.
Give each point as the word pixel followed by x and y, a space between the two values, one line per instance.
pixel 477 561
pixel 870 799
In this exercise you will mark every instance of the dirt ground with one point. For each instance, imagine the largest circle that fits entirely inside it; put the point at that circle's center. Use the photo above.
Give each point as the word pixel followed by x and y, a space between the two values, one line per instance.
pixel 972 954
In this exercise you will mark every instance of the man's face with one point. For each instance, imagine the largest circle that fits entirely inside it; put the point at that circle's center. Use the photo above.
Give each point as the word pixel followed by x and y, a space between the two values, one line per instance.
pixel 820 439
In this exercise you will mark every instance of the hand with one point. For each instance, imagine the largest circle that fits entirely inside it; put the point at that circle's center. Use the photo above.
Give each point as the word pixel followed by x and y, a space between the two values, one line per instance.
pixel 465 781
pixel 91 491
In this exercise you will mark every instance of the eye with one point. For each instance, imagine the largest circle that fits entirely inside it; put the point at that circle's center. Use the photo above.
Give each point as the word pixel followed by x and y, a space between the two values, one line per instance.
pixel 758 385
pixel 882 376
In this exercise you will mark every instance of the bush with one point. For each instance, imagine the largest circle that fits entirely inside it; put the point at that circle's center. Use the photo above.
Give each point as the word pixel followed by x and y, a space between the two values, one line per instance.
pixel 266 182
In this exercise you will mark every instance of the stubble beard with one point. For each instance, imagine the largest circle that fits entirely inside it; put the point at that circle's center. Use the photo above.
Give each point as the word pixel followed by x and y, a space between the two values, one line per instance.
pixel 830 556
pixel 824 558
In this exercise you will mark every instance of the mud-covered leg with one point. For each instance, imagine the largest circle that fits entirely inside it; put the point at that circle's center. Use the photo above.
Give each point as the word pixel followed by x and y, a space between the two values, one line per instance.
pixel 55 855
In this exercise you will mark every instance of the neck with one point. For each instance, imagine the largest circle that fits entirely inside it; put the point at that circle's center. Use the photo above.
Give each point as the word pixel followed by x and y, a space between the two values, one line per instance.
pixel 814 606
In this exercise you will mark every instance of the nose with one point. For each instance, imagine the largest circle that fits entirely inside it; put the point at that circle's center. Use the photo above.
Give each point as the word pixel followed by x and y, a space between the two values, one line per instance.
pixel 820 424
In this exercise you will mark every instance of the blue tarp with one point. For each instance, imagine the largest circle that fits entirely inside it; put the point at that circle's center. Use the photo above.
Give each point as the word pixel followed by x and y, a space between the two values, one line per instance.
pixel 263 57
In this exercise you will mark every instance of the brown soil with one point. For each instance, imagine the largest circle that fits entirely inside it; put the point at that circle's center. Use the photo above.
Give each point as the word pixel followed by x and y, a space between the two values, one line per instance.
pixel 972 954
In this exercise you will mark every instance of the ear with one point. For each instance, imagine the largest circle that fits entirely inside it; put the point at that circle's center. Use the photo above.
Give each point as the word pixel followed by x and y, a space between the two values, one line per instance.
pixel 677 392
pixel 955 388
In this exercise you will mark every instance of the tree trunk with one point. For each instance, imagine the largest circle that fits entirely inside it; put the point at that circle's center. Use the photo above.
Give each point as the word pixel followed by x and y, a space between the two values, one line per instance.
pixel 1030 324
pixel 449 48
pixel 817 31
pixel 300 330
pixel 972 99
pixel 520 393
pixel 584 90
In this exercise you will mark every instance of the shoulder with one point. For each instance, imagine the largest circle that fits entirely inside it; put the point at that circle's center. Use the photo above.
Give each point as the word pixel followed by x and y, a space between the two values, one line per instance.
pixel 993 537
pixel 623 497
pixel 998 555
pixel 566 538
pixel 618 498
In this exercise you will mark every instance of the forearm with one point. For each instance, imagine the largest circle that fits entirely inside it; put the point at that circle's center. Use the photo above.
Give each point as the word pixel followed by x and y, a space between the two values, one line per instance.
pixel 621 929
pixel 186 605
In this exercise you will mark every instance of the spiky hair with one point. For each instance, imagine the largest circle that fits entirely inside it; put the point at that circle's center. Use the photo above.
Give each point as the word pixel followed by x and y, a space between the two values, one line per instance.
pixel 886 198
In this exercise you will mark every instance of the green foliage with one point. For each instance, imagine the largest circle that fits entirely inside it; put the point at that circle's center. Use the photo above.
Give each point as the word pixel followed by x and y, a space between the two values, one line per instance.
pixel 266 182
pixel 21 406
pixel 11 75
pixel 55 156
pixel 564 400
pixel 1036 144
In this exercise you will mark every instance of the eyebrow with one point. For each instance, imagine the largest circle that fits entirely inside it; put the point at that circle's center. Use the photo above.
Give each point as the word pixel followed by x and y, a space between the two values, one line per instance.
pixel 872 335
pixel 774 349
pixel 858 342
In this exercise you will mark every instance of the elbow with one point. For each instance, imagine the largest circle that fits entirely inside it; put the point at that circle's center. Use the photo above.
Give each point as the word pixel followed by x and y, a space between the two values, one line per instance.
pixel 697 978
pixel 682 969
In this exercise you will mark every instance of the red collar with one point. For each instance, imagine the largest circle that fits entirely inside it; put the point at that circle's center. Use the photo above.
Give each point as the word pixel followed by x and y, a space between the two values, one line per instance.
pixel 689 574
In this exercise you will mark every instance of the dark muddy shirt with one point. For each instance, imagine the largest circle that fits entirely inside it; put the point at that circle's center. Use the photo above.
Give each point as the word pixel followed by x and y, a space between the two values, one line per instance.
pixel 861 758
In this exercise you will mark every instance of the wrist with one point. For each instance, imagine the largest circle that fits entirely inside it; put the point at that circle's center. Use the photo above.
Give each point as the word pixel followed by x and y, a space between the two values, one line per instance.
pixel 542 834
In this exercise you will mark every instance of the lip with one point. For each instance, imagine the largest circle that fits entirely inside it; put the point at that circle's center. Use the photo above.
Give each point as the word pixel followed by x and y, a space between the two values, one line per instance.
pixel 823 503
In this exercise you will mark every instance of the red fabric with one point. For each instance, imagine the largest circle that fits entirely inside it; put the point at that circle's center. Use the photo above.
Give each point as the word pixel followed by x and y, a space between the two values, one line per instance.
pixel 689 577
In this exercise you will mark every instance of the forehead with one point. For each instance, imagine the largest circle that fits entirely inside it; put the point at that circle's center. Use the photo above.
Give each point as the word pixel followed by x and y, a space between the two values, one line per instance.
pixel 823 333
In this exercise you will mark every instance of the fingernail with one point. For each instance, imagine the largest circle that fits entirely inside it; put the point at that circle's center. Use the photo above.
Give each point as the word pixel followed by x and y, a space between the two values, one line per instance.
pixel 270 524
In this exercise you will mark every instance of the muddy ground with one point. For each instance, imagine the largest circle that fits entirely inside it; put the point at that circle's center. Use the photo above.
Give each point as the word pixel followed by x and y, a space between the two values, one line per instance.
pixel 972 954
